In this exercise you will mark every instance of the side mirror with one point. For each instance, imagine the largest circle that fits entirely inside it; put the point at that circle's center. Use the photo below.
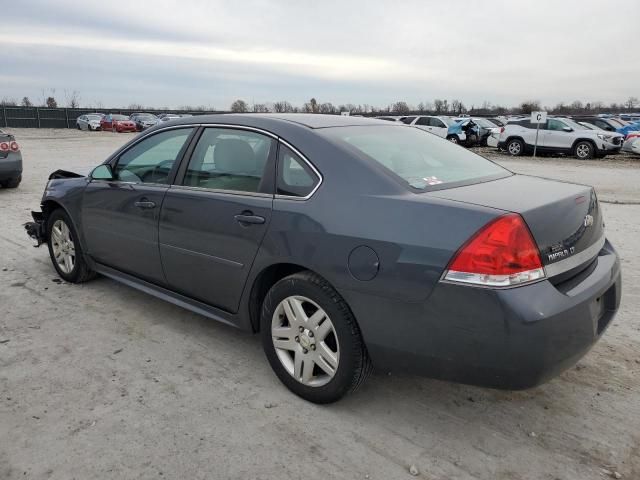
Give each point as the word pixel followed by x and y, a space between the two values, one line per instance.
pixel 568 129
pixel 102 172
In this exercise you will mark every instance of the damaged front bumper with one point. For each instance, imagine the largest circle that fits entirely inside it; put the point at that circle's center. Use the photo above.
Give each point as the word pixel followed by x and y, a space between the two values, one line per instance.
pixel 35 229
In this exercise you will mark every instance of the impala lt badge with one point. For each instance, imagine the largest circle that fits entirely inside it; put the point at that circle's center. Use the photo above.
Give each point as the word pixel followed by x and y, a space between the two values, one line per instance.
pixel 588 221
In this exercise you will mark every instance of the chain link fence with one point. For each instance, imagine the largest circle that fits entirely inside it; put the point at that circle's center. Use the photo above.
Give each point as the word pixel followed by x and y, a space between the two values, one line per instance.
pixel 43 117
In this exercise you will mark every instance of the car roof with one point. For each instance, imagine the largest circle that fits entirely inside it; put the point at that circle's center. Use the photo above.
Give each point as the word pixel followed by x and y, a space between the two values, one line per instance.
pixel 309 120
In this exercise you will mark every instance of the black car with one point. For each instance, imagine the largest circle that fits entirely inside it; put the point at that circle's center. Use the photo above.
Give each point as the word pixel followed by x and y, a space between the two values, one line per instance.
pixel 345 242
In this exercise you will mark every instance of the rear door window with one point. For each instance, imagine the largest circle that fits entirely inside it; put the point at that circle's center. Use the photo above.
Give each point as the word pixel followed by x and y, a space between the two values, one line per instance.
pixel 230 159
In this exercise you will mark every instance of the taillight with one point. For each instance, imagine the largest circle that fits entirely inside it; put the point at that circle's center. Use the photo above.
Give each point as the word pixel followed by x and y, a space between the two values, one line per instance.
pixel 503 253
pixel 9 146
pixel 501 129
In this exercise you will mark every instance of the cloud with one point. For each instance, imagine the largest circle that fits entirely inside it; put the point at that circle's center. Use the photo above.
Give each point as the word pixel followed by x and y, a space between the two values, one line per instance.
pixel 359 51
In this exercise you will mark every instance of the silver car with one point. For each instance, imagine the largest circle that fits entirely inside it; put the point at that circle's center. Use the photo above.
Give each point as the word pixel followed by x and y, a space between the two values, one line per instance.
pixel 90 121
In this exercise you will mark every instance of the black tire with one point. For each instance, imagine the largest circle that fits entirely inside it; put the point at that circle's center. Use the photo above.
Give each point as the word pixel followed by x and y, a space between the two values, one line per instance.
pixel 453 139
pixel 11 183
pixel 584 150
pixel 515 147
pixel 354 365
pixel 81 271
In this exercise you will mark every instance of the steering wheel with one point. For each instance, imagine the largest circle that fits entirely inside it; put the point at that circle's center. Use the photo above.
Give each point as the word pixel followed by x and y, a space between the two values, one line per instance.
pixel 155 173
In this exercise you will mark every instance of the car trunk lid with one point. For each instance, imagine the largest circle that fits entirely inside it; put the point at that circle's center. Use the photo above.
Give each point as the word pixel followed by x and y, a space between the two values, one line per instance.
pixel 564 218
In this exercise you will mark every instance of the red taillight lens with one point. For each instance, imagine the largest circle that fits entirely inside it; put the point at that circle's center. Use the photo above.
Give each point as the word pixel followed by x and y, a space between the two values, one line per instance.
pixel 501 129
pixel 4 147
pixel 14 147
pixel 501 254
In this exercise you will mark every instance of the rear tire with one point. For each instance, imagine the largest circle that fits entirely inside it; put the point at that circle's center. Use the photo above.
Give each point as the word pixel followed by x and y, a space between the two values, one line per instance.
pixel 11 183
pixel 453 139
pixel 65 250
pixel 515 147
pixel 320 355
pixel 584 150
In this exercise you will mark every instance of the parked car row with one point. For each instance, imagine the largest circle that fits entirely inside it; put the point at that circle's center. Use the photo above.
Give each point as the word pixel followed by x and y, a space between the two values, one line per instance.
pixel 467 131
pixel 136 122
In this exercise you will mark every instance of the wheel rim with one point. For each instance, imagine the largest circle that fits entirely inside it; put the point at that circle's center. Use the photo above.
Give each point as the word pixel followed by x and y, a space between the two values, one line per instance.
pixel 582 150
pixel 305 341
pixel 453 139
pixel 514 148
pixel 64 250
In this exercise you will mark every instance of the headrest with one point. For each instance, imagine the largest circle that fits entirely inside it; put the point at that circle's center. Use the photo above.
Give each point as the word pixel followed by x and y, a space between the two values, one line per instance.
pixel 234 155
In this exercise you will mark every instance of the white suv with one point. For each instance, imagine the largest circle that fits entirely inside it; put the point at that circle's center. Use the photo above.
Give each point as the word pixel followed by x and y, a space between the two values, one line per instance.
pixel 445 127
pixel 558 135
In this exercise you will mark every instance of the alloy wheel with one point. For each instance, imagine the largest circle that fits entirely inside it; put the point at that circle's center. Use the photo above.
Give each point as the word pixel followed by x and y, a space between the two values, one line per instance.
pixel 64 250
pixel 583 150
pixel 305 341
pixel 514 148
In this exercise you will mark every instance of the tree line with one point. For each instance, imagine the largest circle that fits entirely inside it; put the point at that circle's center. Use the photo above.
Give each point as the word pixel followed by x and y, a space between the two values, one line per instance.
pixel 437 106
pixel 72 99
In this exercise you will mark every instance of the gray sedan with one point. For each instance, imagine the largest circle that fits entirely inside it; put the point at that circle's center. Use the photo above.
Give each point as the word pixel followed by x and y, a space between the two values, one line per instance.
pixel 90 121
pixel 346 243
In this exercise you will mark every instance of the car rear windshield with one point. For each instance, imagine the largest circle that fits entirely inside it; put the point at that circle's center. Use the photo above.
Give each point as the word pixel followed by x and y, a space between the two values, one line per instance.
pixel 421 160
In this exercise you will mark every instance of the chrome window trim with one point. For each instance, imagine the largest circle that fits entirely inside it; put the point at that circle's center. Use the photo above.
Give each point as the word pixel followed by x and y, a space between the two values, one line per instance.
pixel 237 127
pixel 576 260
pixel 310 165
pixel 220 190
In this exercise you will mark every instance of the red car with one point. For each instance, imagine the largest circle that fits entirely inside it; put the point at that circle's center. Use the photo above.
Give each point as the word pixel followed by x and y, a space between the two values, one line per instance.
pixel 117 123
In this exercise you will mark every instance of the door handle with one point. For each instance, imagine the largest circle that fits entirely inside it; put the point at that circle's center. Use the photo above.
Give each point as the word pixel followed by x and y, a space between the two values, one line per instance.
pixel 248 218
pixel 144 203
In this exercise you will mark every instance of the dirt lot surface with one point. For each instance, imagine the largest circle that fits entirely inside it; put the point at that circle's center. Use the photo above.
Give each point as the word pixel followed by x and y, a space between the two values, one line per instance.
pixel 101 381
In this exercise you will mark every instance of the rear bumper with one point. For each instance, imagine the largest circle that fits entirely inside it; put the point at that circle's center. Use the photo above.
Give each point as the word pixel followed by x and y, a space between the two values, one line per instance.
pixel 11 166
pixel 512 338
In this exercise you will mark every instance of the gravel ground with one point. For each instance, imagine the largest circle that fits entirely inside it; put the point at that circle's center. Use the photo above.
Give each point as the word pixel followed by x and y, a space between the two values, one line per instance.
pixel 101 381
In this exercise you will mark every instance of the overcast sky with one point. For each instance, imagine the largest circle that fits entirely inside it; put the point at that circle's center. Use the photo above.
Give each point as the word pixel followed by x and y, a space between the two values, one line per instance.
pixel 203 52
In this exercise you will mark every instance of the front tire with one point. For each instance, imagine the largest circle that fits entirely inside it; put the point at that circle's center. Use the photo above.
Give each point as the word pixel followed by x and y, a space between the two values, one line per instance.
pixel 584 151
pixel 312 340
pixel 65 250
pixel 515 147
pixel 453 139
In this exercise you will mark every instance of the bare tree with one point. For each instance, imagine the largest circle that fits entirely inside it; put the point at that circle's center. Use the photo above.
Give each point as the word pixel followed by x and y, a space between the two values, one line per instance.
pixel 47 93
pixel 283 107
pixel 259 108
pixel 135 106
pixel 529 106
pixel 327 108
pixel 239 106
pixel 401 108
pixel 631 103
pixel 312 106
pixel 50 102
pixel 438 105
pixel 72 98
pixel 8 102
pixel 26 102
